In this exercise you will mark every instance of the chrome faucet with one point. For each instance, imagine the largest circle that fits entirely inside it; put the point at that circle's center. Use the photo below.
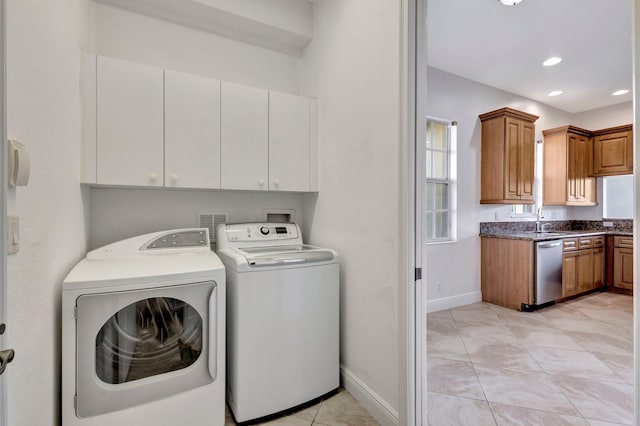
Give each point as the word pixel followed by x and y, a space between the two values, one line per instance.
pixel 540 215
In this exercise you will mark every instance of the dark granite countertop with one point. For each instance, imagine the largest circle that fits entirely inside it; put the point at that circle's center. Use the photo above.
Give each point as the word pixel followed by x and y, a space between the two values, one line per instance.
pixel 551 235
pixel 555 230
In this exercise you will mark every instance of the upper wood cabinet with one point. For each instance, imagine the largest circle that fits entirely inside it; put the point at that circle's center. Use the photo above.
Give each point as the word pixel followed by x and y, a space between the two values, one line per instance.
pixel 130 123
pixel 612 151
pixel 566 178
pixel 508 152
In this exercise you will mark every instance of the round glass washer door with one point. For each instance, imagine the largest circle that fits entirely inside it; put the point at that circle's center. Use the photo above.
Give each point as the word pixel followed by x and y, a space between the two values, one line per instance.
pixel 138 346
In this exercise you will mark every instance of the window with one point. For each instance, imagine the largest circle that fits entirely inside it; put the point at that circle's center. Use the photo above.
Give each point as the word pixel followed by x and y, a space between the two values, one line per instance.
pixel 440 181
pixel 618 197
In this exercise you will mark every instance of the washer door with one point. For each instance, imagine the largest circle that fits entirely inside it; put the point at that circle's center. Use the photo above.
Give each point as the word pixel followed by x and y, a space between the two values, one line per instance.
pixel 139 346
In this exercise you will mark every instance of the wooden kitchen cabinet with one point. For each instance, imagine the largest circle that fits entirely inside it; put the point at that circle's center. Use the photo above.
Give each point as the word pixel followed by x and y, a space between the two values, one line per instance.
pixel 507 271
pixel 612 151
pixel 192 131
pixel 598 267
pixel 570 273
pixel 582 265
pixel 130 123
pixel 508 152
pixel 623 263
pixel 566 179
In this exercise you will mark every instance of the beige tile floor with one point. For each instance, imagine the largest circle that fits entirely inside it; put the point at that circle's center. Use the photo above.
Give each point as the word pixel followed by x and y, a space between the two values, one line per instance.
pixel 338 410
pixel 568 364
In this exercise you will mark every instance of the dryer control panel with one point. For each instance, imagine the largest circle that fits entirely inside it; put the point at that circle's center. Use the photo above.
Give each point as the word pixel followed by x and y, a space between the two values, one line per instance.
pixel 275 233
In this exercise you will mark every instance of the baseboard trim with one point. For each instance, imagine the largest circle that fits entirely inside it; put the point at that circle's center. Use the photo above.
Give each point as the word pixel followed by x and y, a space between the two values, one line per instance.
pixel 453 301
pixel 371 401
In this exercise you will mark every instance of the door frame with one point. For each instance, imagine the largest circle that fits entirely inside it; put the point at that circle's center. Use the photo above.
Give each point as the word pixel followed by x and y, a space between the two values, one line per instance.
pixel 3 204
pixel 412 303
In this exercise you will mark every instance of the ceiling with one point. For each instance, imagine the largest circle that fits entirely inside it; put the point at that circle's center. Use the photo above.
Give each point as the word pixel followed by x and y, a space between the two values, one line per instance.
pixel 504 47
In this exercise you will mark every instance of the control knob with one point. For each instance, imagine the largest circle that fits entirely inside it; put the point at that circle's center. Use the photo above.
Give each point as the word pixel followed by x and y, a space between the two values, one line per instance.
pixel 264 230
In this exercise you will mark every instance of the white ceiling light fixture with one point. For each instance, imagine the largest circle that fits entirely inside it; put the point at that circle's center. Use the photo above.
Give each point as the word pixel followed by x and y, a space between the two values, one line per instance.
pixel 620 92
pixel 509 2
pixel 552 61
pixel 556 93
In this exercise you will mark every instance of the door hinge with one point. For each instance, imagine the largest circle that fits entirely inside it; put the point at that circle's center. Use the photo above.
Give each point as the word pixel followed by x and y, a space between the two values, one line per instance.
pixel 75 312
pixel 75 402
pixel 418 274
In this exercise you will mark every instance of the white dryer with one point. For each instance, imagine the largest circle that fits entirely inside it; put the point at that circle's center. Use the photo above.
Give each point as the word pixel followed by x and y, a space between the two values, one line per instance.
pixel 282 318
pixel 143 333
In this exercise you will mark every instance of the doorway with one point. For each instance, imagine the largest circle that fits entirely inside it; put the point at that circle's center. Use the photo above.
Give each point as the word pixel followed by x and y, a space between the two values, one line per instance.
pixel 428 274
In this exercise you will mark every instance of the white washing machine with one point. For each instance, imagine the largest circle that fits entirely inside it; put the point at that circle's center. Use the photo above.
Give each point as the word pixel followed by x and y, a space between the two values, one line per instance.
pixel 282 318
pixel 143 333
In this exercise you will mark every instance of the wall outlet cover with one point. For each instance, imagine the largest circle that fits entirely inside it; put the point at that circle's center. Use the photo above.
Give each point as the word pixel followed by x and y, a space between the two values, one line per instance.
pixel 607 224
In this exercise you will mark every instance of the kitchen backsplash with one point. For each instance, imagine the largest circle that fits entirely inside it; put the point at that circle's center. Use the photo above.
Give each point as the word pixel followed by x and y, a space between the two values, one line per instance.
pixel 620 225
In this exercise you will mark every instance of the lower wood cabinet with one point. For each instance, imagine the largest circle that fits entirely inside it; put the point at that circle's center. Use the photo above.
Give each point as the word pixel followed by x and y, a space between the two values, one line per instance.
pixel 623 263
pixel 569 273
pixel 582 265
pixel 507 272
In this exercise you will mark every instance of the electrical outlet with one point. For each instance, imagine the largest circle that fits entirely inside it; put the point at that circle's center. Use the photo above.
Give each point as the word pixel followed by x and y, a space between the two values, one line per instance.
pixel 607 224
pixel 438 286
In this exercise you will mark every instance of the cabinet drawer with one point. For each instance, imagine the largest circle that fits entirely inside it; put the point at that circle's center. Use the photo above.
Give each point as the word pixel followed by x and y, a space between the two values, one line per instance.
pixel 623 242
pixel 570 244
pixel 598 241
pixel 584 243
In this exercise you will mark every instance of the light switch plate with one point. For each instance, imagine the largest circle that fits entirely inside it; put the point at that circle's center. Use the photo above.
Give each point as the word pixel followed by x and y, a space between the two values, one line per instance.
pixel 13 234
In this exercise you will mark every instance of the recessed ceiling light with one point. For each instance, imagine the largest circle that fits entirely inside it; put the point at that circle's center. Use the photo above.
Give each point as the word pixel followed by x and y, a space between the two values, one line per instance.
pixel 552 61
pixel 620 92
pixel 509 2
pixel 556 93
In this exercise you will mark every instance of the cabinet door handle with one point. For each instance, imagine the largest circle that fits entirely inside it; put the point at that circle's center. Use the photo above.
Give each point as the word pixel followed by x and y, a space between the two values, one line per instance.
pixel 5 358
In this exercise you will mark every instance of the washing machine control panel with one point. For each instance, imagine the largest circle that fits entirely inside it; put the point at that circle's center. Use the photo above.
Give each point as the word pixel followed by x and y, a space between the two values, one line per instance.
pixel 248 232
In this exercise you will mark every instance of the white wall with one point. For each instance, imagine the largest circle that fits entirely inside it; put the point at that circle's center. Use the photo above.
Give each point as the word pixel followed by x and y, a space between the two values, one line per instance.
pixel 121 213
pixel 43 111
pixel 353 68
pixel 139 38
pixel 291 15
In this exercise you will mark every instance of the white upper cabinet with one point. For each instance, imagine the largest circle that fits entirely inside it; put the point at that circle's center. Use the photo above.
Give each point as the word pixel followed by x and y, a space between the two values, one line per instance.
pixel 129 123
pixel 145 126
pixel 192 131
pixel 288 142
pixel 244 137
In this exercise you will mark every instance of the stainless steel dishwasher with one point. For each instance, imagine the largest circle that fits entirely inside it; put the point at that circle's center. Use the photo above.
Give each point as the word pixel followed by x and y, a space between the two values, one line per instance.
pixel 548 274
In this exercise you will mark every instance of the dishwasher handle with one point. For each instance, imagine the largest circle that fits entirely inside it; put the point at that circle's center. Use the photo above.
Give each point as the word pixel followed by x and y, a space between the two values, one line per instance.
pixel 549 245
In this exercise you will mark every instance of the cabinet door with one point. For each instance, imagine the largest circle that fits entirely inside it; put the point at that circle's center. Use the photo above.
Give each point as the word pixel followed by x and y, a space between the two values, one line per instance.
pixel 129 123
pixel 192 131
pixel 244 137
pixel 585 270
pixel 623 268
pixel 527 161
pixel 513 134
pixel 613 154
pixel 581 187
pixel 569 273
pixel 288 142
pixel 598 267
